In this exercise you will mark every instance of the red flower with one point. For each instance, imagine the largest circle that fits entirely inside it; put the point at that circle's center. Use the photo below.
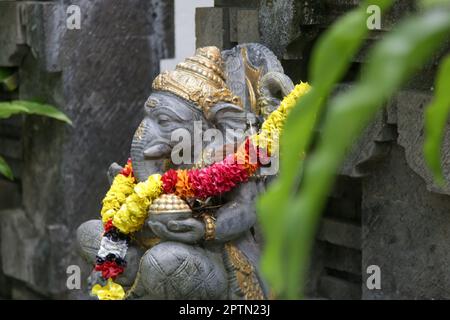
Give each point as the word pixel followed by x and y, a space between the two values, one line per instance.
pixel 108 225
pixel 109 269
pixel 218 178
pixel 169 180
pixel 128 169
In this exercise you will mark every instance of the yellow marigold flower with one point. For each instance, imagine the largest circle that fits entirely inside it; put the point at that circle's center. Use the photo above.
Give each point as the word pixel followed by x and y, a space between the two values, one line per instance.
pixel 111 291
pixel 275 121
pixel 120 189
pixel 132 214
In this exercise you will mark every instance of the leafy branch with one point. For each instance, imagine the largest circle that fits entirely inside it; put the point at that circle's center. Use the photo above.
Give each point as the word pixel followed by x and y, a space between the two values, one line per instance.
pixel 10 108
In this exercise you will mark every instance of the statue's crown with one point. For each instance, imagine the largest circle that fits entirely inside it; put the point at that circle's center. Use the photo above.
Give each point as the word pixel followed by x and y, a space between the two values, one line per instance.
pixel 199 79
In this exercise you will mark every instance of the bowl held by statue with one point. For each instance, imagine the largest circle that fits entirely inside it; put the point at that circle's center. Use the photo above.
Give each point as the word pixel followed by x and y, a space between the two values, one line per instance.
pixel 169 207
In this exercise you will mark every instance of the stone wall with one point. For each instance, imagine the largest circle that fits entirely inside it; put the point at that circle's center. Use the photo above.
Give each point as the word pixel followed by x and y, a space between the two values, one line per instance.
pixel 100 76
pixel 385 209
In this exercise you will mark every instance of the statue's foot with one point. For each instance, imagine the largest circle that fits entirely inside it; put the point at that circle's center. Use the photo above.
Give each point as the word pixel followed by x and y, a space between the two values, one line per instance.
pixel 173 270
pixel 89 236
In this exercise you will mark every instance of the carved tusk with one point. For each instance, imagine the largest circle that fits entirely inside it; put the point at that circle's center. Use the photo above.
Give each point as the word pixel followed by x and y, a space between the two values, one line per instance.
pixel 157 151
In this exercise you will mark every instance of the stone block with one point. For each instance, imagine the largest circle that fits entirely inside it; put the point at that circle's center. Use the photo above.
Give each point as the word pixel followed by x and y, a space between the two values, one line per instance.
pixel 233 22
pixel 21 247
pixel 278 25
pixel 340 233
pixel 11 34
pixel 281 22
pixel 371 146
pixel 247 26
pixel 335 288
pixel 20 291
pixel 9 195
pixel 210 27
pixel 11 148
pixel 342 259
pixel 44 25
pixel 237 3
pixel 12 127
pixel 410 106
pixel 405 232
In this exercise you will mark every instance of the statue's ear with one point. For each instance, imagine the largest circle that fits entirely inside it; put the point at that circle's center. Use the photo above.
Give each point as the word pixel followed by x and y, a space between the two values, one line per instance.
pixel 227 116
pixel 234 123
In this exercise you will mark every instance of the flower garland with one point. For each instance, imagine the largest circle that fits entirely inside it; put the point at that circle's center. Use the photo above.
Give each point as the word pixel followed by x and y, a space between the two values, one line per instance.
pixel 125 206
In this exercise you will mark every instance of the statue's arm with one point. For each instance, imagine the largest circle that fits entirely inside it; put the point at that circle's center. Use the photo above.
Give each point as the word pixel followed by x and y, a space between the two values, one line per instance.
pixel 238 215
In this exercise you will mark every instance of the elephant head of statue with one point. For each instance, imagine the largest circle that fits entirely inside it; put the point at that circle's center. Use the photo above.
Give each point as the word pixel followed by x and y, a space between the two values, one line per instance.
pixel 190 111
pixel 211 100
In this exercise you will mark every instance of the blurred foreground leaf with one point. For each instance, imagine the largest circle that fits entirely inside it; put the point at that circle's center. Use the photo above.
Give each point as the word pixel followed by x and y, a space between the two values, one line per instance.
pixel 430 3
pixel 436 115
pixel 331 59
pixel 391 62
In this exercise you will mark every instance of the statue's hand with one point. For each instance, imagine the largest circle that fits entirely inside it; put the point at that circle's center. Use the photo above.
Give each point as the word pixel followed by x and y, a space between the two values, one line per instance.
pixel 113 171
pixel 187 231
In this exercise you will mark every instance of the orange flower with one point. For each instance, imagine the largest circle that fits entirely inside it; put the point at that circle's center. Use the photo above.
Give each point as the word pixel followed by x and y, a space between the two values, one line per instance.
pixel 243 157
pixel 182 187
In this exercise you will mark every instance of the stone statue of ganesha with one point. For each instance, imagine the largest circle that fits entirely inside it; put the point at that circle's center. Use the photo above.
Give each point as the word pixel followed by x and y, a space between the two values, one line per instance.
pixel 190 257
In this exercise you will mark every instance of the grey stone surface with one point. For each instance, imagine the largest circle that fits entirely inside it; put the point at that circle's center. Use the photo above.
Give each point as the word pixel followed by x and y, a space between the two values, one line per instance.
pixel 405 232
pixel 370 147
pixel 281 21
pixel 11 34
pixel 336 288
pixel 99 76
pixel 340 233
pixel 237 3
pixel 410 114
pixel 11 148
pixel 10 195
pixel 247 26
pixel 21 248
pixel 343 259
pixel 209 27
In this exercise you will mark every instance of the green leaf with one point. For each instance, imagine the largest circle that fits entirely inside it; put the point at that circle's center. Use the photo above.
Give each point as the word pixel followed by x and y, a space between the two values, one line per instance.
pixel 431 3
pixel 436 116
pixel 5 169
pixel 8 78
pixel 8 109
pixel 5 72
pixel 331 58
pixel 391 62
